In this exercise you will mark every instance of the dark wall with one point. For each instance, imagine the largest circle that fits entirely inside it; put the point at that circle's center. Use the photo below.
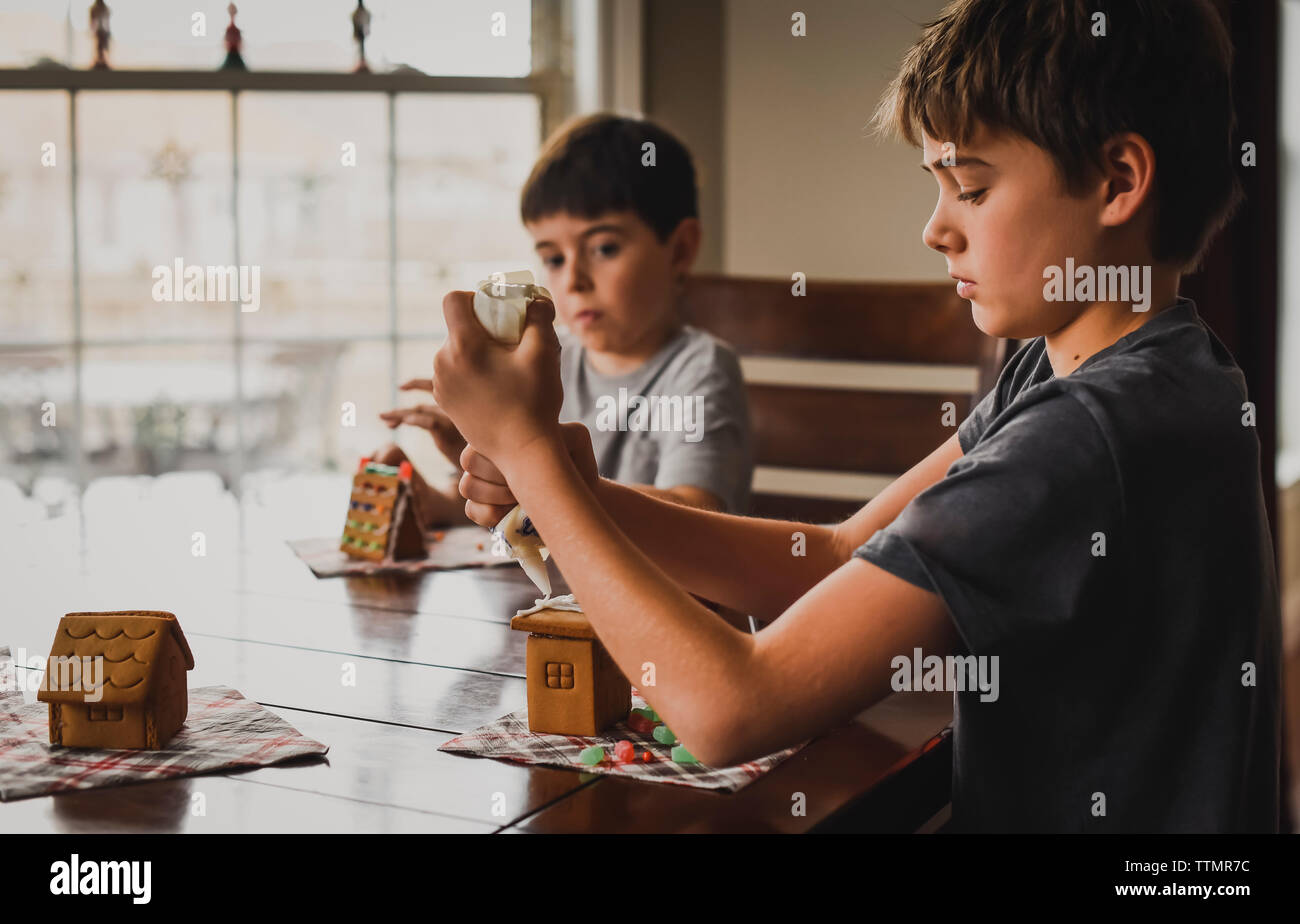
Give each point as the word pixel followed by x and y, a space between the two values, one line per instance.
pixel 1236 290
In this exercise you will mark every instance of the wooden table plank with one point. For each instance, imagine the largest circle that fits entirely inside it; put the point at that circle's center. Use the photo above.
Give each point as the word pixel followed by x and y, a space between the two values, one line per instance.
pixel 416 695
pixel 231 805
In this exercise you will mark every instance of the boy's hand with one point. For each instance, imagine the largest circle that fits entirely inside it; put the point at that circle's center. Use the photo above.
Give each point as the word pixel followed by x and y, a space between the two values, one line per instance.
pixel 500 398
pixel 488 497
pixel 429 417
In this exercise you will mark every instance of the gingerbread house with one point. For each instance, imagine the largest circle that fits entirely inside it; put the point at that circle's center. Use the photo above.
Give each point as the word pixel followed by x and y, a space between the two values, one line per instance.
pixel 381 523
pixel 574 686
pixel 117 679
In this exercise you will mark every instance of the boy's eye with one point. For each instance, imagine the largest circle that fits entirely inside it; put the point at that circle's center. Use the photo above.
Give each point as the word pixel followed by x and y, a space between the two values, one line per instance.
pixel 972 197
pixel 552 262
pixel 607 249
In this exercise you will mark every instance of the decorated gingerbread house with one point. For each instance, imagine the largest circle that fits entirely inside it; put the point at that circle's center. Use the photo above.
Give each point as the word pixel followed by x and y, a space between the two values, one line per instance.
pixel 381 523
pixel 117 680
pixel 574 686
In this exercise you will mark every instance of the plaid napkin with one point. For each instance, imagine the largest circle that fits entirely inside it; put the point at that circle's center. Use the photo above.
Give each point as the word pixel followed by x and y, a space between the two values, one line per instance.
pixel 222 731
pixel 508 738
pixel 459 547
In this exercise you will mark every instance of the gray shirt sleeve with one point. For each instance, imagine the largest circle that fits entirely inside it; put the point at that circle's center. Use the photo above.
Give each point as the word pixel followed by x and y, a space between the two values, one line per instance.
pixel 1008 538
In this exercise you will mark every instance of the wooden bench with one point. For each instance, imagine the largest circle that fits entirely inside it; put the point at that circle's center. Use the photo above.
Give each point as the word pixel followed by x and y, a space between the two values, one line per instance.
pixel 830 431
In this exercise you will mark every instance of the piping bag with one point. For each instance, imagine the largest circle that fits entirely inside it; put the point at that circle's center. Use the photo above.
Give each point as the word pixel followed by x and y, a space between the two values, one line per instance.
pixel 501 306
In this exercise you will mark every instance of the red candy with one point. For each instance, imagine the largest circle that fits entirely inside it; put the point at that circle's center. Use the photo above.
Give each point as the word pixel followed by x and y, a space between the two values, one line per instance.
pixel 404 471
pixel 647 756
pixel 624 752
pixel 640 723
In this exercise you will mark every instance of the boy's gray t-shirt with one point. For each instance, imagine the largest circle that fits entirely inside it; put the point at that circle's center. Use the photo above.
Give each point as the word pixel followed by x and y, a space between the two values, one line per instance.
pixel 1105 537
pixel 681 418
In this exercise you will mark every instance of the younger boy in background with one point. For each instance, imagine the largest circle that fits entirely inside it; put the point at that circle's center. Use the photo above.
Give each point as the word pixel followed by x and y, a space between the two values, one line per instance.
pixel 617 237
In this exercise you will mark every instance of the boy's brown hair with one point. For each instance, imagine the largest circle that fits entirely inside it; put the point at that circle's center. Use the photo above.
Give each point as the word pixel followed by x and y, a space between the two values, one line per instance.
pixel 1037 68
pixel 595 164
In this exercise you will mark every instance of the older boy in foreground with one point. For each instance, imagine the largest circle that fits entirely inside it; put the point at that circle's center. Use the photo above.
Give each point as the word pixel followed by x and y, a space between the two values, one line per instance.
pixel 1097 522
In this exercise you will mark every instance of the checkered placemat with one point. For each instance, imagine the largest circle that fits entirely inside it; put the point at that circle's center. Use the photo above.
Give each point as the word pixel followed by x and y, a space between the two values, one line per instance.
pixel 455 547
pixel 222 731
pixel 508 738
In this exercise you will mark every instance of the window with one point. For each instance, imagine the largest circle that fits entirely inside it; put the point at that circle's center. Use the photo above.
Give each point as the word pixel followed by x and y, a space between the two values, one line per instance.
pixel 559 675
pixel 105 713
pixel 349 202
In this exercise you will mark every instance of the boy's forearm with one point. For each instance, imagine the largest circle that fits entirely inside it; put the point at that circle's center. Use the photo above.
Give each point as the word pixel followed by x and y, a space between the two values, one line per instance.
pixel 756 566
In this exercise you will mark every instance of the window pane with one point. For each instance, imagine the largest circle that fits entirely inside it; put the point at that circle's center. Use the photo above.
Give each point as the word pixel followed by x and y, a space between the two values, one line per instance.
pixel 33 29
pixel 38 416
pixel 449 37
pixel 35 218
pixel 152 409
pixel 461 163
pixel 297 419
pixel 452 37
pixel 415 360
pixel 317 227
pixel 148 199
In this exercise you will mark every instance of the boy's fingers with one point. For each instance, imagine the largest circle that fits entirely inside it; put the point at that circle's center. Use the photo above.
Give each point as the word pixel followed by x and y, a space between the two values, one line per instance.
pixel 417 385
pixel 539 328
pixel 485 492
pixel 427 416
pixel 463 328
pixel 480 466
pixel 486 514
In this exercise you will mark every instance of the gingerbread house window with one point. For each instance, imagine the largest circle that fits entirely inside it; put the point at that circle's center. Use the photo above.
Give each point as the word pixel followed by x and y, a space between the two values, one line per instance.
pixel 105 713
pixel 559 675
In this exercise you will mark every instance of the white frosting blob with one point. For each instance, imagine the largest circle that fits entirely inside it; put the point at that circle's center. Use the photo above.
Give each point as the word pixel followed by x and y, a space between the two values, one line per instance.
pixel 564 602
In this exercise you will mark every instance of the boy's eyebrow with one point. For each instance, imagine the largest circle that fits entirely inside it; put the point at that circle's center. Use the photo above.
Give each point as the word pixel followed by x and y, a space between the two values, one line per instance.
pixel 958 162
pixel 594 229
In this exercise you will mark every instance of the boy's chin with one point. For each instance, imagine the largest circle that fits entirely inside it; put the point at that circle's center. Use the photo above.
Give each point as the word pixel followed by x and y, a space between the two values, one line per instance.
pixel 989 320
pixel 997 321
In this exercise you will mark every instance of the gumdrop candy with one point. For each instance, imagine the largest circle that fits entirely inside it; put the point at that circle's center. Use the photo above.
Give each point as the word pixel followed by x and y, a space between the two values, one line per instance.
pixel 683 756
pixel 624 752
pixel 664 735
pixel 640 723
pixel 592 755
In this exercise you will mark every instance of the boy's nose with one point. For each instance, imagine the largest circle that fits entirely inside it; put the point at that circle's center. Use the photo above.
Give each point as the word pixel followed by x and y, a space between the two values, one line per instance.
pixel 575 278
pixel 939 233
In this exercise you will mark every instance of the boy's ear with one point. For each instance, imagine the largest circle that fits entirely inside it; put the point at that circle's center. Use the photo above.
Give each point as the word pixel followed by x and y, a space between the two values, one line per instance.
pixel 685 244
pixel 1129 173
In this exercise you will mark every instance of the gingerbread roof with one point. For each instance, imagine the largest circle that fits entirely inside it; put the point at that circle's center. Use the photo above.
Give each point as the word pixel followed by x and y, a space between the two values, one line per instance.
pixel 129 642
pixel 561 623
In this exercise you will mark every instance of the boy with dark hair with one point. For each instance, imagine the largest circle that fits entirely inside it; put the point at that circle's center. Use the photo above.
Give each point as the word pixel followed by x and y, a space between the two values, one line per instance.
pixel 611 205
pixel 1086 562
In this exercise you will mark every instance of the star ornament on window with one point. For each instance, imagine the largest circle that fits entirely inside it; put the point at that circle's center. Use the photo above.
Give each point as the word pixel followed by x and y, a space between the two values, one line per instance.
pixel 172 164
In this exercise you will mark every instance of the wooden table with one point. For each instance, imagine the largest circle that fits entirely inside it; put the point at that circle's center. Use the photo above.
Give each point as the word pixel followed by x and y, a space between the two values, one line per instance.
pixel 433 657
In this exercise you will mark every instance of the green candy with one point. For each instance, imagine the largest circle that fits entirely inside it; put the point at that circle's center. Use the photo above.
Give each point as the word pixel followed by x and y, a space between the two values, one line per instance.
pixel 646 713
pixel 664 735
pixel 682 756
pixel 592 755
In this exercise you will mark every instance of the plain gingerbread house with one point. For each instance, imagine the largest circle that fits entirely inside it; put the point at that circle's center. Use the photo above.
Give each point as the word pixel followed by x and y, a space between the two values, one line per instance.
pixel 574 686
pixel 143 699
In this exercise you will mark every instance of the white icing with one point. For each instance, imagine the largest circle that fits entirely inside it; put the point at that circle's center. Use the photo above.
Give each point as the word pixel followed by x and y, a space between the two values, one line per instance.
pixel 501 303
pixel 565 602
